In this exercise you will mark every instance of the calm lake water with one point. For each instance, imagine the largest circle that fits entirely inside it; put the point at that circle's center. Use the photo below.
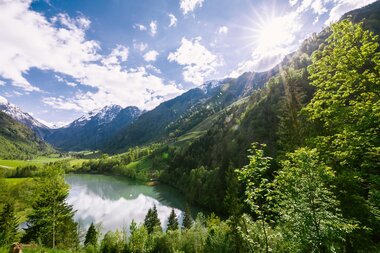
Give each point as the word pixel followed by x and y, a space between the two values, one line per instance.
pixel 114 201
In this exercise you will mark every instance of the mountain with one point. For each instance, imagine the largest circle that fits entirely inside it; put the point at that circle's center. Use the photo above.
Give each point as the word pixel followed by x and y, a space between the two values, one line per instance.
pixel 16 113
pixel 18 141
pixel 178 115
pixel 93 129
pixel 270 115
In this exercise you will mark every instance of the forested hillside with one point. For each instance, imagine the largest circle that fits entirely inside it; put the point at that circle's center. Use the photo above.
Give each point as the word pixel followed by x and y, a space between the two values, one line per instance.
pixel 177 116
pixel 18 141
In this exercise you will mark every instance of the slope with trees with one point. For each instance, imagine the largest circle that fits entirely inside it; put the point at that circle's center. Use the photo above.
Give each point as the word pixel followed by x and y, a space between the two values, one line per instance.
pixel 18 141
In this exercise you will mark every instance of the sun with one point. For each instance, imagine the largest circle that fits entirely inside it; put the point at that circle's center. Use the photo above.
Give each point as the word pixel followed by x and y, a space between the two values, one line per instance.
pixel 271 35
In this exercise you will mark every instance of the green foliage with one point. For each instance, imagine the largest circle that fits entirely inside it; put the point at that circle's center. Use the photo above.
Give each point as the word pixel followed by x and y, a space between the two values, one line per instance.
pixel 138 239
pixel 8 224
pixel 346 73
pixel 257 186
pixel 254 240
pixel 151 221
pixel 91 236
pixel 187 219
pixel 51 221
pixel 255 178
pixel 308 209
pixel 172 221
pixel 113 242
pixel 135 164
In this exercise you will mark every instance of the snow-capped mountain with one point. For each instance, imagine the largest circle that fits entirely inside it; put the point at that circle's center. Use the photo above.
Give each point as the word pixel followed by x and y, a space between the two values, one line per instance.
pixel 210 85
pixel 23 117
pixel 92 129
pixel 100 116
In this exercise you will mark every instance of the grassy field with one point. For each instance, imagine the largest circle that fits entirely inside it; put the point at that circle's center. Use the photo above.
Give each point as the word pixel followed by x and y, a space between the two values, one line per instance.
pixel 39 161
pixel 141 164
pixel 19 163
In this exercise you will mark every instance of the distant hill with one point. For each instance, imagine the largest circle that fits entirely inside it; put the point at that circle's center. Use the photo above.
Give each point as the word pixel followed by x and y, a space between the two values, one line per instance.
pixel 18 141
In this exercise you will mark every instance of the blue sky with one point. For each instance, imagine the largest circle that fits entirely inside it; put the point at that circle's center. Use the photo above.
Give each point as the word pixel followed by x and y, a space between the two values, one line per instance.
pixel 61 58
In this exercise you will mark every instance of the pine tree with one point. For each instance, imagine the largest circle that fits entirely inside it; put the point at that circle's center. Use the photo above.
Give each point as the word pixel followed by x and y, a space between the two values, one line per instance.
pixel 51 221
pixel 91 236
pixel 8 224
pixel 187 219
pixel 151 220
pixel 172 221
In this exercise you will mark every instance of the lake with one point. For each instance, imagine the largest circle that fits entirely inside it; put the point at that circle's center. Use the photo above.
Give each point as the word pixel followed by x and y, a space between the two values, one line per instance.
pixel 115 201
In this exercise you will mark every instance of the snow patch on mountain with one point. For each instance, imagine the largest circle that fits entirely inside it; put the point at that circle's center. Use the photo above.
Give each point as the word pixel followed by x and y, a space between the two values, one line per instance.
pixel 209 85
pixel 19 115
pixel 3 100
pixel 102 116
pixel 108 113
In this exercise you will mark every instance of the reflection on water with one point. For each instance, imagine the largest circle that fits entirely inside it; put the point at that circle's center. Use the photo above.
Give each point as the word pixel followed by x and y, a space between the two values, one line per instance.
pixel 115 202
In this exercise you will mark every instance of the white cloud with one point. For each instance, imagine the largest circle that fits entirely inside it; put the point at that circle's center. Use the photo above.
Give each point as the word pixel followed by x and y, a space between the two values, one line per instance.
pixel 118 55
pixel 28 40
pixel 2 83
pixel 189 5
pixel 320 7
pixel 141 46
pixel 153 27
pixel 155 69
pixel 173 20
pixel 317 6
pixel 223 30
pixel 258 63
pixel 140 27
pixel 199 63
pixel 151 56
pixel 343 6
pixel 71 84
pixel 59 78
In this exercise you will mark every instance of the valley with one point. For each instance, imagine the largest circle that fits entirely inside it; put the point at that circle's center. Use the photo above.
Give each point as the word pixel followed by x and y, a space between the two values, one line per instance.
pixel 282 160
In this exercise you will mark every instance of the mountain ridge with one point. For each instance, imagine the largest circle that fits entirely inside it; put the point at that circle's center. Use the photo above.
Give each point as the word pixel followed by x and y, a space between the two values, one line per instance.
pixel 90 130
pixel 23 117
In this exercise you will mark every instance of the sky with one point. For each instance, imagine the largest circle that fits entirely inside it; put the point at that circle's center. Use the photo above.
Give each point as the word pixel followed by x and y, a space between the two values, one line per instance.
pixel 62 58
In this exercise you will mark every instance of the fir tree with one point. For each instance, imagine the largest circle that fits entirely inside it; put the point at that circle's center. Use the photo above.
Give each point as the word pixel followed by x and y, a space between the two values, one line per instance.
pixel 91 236
pixel 8 224
pixel 187 219
pixel 172 221
pixel 151 220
